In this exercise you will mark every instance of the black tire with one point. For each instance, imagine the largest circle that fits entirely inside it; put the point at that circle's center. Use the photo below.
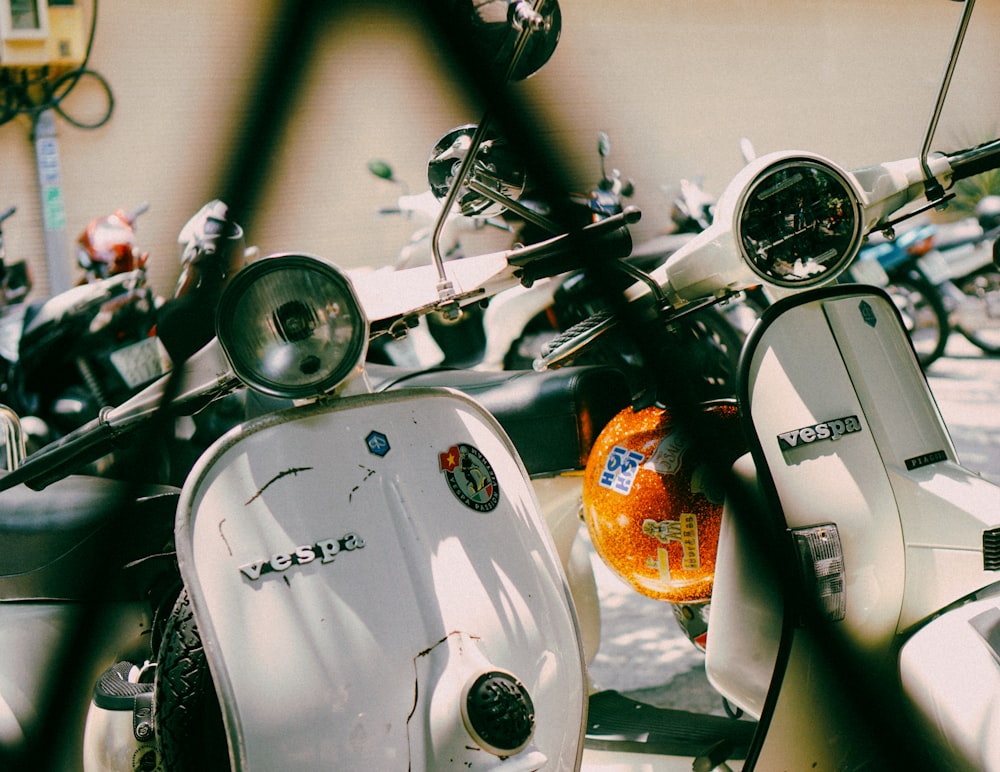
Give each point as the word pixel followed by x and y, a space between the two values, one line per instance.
pixel 710 348
pixel 706 345
pixel 983 287
pixel 189 728
pixel 924 315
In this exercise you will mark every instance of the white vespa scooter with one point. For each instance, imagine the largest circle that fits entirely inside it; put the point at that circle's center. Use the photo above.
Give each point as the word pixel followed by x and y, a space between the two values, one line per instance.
pixel 375 561
pixel 479 473
pixel 855 602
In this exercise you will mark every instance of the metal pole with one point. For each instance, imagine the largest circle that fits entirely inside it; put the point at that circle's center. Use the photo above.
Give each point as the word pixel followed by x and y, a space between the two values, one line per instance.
pixel 53 209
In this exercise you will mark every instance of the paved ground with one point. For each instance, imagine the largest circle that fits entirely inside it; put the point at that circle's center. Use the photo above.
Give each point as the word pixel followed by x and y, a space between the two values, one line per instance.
pixel 643 652
pixel 967 387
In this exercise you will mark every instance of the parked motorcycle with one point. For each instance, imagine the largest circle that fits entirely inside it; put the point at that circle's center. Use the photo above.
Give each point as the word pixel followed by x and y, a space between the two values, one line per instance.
pixel 510 332
pixel 943 278
pixel 96 344
pixel 484 488
pixel 521 322
pixel 436 340
pixel 851 540
pixel 318 320
pixel 15 284
pixel 89 346
pixel 15 277
pixel 964 267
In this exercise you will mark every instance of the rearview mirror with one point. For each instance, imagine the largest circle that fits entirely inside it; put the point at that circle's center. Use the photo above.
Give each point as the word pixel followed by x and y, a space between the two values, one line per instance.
pixel 496 173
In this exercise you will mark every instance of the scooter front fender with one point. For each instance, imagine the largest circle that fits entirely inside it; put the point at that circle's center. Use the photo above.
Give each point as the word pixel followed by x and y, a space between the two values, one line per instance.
pixel 950 671
pixel 355 567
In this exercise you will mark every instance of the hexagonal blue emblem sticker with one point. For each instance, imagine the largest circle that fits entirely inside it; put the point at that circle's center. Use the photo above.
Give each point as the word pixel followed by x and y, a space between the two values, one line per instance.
pixel 378 443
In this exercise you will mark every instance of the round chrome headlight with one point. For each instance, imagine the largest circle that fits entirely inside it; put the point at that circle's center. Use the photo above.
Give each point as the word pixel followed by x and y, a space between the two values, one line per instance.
pixel 799 223
pixel 291 326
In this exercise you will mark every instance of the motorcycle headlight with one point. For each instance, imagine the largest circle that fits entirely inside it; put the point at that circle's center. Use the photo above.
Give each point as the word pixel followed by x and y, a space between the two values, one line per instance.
pixel 799 223
pixel 291 326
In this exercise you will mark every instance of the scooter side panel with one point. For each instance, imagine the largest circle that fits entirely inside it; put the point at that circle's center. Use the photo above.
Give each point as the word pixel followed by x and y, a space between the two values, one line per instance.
pixel 33 636
pixel 947 510
pixel 353 567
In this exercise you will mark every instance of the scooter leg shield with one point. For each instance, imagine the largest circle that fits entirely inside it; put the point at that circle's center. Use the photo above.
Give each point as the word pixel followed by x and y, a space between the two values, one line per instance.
pixel 365 576
pixel 848 434
pixel 853 455
pixel 746 614
pixel 819 436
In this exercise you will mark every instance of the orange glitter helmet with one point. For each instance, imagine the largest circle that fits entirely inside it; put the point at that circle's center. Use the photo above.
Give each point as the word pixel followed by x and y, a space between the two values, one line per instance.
pixel 652 507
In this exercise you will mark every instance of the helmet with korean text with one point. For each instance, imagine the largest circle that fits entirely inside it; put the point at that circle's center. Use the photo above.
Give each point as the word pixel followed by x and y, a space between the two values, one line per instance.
pixel 653 506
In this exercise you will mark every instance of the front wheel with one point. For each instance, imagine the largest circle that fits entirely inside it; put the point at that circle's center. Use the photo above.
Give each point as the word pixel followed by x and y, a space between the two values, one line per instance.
pixel 924 316
pixel 708 346
pixel 982 292
pixel 705 345
pixel 189 728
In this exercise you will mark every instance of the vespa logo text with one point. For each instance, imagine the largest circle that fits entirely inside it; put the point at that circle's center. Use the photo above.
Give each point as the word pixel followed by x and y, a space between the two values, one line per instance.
pixel 325 551
pixel 828 430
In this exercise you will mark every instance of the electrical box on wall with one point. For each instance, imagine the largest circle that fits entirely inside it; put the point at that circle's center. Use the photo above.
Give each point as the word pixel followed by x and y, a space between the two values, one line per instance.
pixel 41 32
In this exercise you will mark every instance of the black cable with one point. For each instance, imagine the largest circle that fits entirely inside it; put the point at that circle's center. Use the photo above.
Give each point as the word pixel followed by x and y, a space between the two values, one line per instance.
pixel 77 75
pixel 16 94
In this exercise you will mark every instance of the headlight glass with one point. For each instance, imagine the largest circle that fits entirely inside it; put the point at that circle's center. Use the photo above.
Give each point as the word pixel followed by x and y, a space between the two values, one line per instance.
pixel 799 224
pixel 291 326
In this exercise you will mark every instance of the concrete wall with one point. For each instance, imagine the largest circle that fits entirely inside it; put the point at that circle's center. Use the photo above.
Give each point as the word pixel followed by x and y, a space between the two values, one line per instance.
pixel 176 71
pixel 676 83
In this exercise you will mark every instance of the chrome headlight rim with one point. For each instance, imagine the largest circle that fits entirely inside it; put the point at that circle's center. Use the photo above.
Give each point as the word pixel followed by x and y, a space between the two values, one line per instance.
pixel 232 325
pixel 852 208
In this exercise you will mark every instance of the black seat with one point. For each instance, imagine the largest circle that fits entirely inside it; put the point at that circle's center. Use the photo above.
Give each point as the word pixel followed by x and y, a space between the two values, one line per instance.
pixel 58 541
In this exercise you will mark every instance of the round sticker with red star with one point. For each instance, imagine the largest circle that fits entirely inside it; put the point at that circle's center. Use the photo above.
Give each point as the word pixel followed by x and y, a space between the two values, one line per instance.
pixel 470 477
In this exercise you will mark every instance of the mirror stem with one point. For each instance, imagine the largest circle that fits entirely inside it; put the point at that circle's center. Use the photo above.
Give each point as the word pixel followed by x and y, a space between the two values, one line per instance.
pixel 522 211
pixel 934 190
pixel 444 286
pixel 528 19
